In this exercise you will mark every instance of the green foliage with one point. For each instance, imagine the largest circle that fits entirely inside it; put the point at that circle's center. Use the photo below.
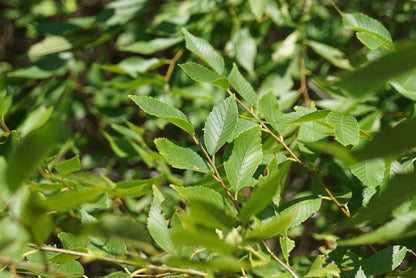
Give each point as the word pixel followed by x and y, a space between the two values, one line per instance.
pixel 207 138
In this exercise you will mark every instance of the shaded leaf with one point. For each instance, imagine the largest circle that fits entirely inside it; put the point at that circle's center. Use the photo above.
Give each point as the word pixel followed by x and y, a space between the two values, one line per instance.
pixel 390 142
pixel 181 157
pixel 246 155
pixel 165 111
pixel 35 119
pixel 365 80
pixel 385 260
pixel 301 209
pixel 263 195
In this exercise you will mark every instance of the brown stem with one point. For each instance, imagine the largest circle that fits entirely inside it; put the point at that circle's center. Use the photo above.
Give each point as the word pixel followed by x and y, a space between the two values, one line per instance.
pixel 119 261
pixel 217 175
pixel 172 63
pixel 4 126
pixel 366 134
pixel 281 141
pixel 279 261
pixel 31 266
pixel 303 88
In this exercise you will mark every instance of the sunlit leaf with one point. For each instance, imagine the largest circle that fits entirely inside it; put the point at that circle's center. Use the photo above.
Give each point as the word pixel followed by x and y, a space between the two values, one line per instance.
pixel 241 85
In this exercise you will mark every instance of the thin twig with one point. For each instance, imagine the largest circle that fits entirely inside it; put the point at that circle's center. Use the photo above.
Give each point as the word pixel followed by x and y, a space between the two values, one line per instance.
pixel 31 266
pixel 119 261
pixel 281 141
pixel 172 63
pixel 217 175
pixel 4 126
pixel 303 88
pixel 279 261
pixel 366 133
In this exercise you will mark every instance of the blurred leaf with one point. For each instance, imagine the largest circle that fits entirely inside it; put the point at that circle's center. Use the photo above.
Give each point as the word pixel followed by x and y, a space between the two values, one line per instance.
pixel 181 157
pixel 205 51
pixel 66 200
pixel 35 119
pixel 220 124
pixel 399 189
pixel 49 45
pixel 210 215
pixel 150 47
pixel 68 166
pixel 246 49
pixel 120 11
pixel 385 260
pixel 246 155
pixel 258 7
pixel 287 245
pixel 27 155
pixel 5 103
pixel 399 228
pixel 365 80
pixel 162 110
pixel 369 40
pixel 313 116
pixel 332 54
pixel 135 188
pixel 241 85
pixel 157 224
pixel 72 267
pixel 134 65
pixel 277 225
pixel 300 209
pixel 390 142
pixel 405 84
pixel 199 73
pixel 205 194
pixel 370 172
pixel 266 189
pixel 363 23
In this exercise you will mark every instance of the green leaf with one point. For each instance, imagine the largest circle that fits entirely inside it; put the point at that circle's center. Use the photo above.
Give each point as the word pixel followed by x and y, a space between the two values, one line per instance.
pixel 49 45
pixel 277 225
pixel 258 7
pixel 35 119
pixel 205 51
pixel 370 172
pixel 70 241
pixel 242 86
pixel 150 47
pixel 135 188
pixel 66 200
pixel 269 107
pixel 5 104
pixel 72 267
pixel 332 54
pixel 367 79
pixel 68 166
pixel 199 73
pixel 398 228
pixel 205 194
pixel 363 23
pixel 346 128
pixel 263 195
pixel 245 49
pixel 369 40
pixel 385 260
pixel 313 116
pixel 210 215
pixel 165 111
pixel 181 157
pixel 28 154
pixel 318 270
pixel 246 155
pixel 301 209
pixel 399 189
pixel 405 84
pixel 287 245
pixel 134 65
pixel 220 124
pixel 390 142
pixel 157 224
